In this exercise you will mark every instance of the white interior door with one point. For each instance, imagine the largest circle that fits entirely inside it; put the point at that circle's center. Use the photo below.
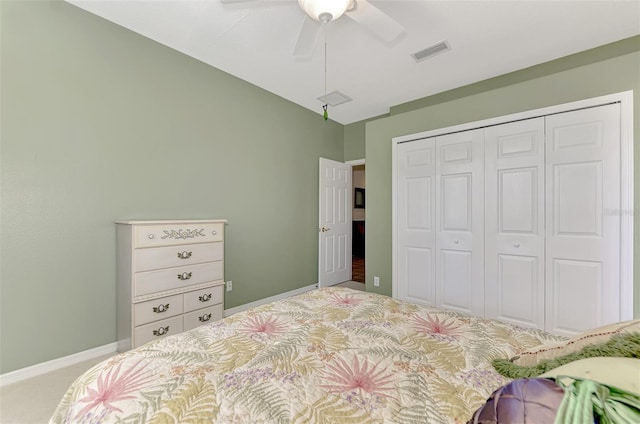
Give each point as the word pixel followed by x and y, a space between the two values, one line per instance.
pixel 583 219
pixel 416 235
pixel 334 226
pixel 460 221
pixel 514 222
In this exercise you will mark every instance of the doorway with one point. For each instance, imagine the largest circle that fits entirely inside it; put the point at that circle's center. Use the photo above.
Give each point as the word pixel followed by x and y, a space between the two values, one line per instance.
pixel 358 191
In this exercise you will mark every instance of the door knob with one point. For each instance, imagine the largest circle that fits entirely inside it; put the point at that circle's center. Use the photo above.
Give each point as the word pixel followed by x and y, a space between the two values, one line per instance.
pixel 324 229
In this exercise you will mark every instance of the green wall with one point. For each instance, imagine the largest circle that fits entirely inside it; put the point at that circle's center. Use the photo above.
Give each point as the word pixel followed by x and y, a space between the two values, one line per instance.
pixel 354 141
pixel 594 73
pixel 99 124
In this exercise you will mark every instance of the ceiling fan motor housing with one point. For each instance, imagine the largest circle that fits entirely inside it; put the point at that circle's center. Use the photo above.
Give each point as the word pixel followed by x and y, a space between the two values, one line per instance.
pixel 325 10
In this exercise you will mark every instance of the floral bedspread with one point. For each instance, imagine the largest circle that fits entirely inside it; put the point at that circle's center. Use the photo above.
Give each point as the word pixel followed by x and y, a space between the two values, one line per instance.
pixel 331 355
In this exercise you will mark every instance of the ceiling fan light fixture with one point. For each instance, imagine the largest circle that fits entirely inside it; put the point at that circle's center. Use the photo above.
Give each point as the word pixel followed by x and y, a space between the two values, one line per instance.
pixel 325 10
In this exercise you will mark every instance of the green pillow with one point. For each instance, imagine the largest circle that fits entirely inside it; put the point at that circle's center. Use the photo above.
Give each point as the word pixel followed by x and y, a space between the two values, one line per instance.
pixel 620 345
pixel 622 373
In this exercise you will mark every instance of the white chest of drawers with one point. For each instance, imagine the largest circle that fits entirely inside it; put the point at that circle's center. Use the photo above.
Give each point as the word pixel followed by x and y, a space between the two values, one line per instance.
pixel 170 278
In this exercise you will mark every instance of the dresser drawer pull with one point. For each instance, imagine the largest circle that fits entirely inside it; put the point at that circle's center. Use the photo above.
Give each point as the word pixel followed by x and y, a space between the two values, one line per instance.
pixel 205 297
pixel 184 276
pixel 184 255
pixel 214 232
pixel 151 236
pixel 161 308
pixel 205 318
pixel 161 331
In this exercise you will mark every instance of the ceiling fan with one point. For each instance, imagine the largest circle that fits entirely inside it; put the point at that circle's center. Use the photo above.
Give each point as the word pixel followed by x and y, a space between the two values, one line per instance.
pixel 321 12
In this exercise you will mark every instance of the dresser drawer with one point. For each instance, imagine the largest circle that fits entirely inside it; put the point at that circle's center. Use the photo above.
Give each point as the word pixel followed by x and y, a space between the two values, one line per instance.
pixel 203 298
pixel 177 278
pixel 172 234
pixel 158 329
pixel 180 255
pixel 153 310
pixel 202 316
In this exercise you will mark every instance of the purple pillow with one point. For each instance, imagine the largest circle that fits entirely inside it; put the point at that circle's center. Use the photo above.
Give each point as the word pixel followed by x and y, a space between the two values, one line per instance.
pixel 524 401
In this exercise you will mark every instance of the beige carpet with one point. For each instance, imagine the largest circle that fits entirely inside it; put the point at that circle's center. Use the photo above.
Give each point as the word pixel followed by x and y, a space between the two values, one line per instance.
pixel 356 285
pixel 33 401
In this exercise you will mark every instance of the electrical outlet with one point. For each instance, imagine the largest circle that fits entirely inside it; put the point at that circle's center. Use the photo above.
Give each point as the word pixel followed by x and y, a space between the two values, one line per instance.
pixel 229 285
pixel 376 281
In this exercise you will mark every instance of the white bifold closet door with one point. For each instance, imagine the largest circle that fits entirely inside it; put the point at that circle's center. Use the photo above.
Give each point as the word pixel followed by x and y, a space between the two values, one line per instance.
pixel 416 221
pixel 441 221
pixel 515 243
pixel 517 221
pixel 582 219
pixel 460 221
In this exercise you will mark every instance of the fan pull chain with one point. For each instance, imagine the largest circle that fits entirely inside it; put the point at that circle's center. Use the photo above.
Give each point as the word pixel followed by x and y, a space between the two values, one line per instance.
pixel 325 107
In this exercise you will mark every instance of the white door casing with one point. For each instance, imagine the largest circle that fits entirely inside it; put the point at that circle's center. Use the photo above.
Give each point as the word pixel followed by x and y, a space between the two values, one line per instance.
pixel 583 226
pixel 334 223
pixel 514 224
pixel 459 214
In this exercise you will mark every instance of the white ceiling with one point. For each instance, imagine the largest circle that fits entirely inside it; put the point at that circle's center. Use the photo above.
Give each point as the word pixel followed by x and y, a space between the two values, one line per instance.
pixel 254 41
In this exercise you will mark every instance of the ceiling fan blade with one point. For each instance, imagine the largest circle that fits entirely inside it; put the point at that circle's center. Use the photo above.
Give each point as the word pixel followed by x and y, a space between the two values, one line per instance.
pixel 374 20
pixel 307 38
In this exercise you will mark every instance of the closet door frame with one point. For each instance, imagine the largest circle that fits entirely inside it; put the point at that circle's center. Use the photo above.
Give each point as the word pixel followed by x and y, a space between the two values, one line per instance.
pixel 626 211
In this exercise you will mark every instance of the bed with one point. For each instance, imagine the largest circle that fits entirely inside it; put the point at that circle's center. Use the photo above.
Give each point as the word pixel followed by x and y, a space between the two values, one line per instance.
pixel 328 355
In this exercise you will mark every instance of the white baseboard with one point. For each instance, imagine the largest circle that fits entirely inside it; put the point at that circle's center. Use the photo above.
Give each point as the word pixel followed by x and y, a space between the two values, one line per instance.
pixel 266 300
pixel 112 348
pixel 56 364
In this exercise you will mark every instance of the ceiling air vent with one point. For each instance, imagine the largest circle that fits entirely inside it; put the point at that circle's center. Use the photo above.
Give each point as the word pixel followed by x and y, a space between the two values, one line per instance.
pixel 436 49
pixel 334 98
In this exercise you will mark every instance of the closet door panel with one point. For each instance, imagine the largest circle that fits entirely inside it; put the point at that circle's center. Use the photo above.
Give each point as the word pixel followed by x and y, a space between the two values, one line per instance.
pixel 518 200
pixel 418 271
pixel 514 222
pixel 518 287
pixel 577 199
pixel 416 221
pixel 583 222
pixel 576 295
pixel 456 279
pixel 460 221
pixel 456 202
